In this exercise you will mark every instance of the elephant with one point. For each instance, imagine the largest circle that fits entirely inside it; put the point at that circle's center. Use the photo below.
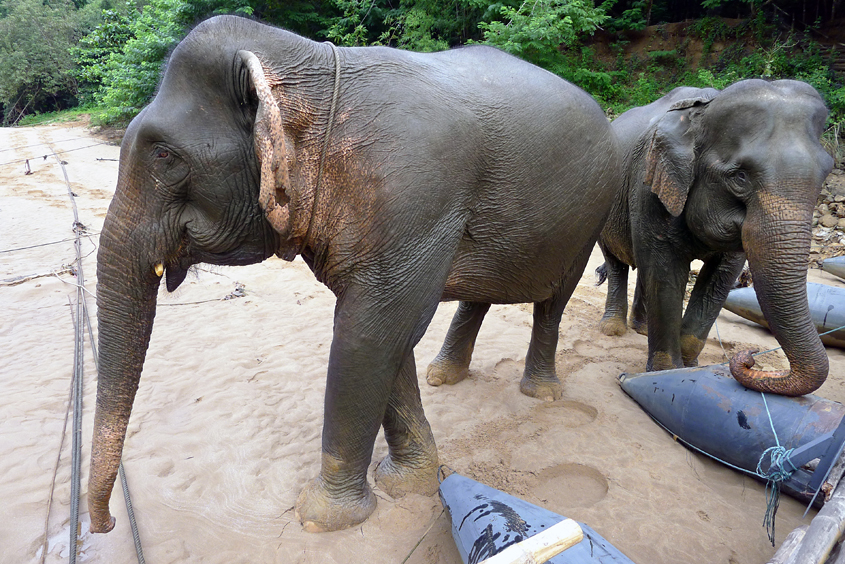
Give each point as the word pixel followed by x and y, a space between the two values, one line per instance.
pixel 719 176
pixel 402 180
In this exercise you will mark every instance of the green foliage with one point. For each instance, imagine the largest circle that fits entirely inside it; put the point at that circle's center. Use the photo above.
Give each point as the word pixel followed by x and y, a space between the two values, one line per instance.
pixel 96 47
pixel 130 73
pixel 36 69
pixel 535 31
pixel 631 19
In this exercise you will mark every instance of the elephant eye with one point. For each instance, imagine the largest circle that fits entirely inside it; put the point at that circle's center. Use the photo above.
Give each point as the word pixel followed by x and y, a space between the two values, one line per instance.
pixel 162 154
pixel 740 177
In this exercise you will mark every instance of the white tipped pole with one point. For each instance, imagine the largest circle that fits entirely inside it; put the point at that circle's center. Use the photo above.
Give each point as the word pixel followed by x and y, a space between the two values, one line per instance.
pixel 542 546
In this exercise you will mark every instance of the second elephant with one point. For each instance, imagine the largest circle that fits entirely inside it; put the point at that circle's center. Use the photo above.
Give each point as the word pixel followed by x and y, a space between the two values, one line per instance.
pixel 719 176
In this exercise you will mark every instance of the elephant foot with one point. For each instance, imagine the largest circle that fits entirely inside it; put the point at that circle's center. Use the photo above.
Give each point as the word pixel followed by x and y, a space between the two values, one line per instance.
pixel 639 325
pixel 322 508
pixel 442 371
pixel 397 480
pixel 661 360
pixel 690 349
pixel 546 389
pixel 612 326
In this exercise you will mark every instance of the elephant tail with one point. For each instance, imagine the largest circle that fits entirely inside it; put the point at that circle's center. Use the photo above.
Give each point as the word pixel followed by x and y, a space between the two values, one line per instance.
pixel 601 274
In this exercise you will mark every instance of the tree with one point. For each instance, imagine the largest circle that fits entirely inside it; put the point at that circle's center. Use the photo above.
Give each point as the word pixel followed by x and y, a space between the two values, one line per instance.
pixel 536 30
pixel 129 76
pixel 36 67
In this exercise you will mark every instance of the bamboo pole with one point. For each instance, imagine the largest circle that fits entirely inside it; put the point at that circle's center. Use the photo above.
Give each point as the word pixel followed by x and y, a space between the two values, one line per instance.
pixel 790 544
pixel 824 531
pixel 542 546
pixel 833 478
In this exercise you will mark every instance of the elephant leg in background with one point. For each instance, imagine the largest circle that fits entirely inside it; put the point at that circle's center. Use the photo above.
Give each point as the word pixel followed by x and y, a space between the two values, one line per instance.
pixel 616 304
pixel 451 365
pixel 663 289
pixel 411 464
pixel 639 315
pixel 714 281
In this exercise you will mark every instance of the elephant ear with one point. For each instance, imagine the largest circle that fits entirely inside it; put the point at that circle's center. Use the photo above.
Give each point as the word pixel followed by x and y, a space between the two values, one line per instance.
pixel 670 160
pixel 270 147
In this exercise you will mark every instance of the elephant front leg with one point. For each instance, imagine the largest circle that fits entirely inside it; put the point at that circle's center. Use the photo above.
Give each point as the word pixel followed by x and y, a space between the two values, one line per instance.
pixel 360 376
pixel 411 464
pixel 616 304
pixel 711 289
pixel 374 337
pixel 663 289
pixel 451 365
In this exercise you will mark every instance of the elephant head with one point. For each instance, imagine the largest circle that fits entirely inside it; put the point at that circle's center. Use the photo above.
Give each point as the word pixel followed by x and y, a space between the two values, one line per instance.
pixel 745 167
pixel 204 176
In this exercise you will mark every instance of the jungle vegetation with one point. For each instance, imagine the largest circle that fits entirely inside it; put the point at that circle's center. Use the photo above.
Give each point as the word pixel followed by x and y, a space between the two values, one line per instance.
pixel 105 56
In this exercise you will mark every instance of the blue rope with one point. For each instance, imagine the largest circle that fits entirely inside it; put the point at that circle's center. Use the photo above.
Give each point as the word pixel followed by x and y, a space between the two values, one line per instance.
pixel 775 475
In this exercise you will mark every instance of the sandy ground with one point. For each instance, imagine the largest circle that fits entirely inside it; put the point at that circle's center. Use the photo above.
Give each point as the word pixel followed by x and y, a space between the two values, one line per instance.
pixel 226 425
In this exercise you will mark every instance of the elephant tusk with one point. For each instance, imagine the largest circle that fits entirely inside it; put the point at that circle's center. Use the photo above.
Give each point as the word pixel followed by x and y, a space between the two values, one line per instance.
pixel 159 269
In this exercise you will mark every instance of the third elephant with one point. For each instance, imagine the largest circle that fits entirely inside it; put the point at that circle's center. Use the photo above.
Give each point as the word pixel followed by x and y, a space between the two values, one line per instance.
pixel 719 176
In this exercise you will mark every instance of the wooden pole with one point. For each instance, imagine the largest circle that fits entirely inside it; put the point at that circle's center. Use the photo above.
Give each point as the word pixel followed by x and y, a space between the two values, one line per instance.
pixel 542 546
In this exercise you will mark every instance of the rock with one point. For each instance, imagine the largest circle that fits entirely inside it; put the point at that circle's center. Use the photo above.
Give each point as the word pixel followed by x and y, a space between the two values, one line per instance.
pixel 815 221
pixel 828 220
pixel 824 209
pixel 841 224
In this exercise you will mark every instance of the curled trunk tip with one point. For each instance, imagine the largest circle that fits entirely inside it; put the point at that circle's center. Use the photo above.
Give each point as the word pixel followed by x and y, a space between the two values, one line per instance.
pixel 783 382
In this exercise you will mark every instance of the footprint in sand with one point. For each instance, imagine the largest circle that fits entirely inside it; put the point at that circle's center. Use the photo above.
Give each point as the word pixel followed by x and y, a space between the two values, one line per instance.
pixel 567 486
pixel 569 414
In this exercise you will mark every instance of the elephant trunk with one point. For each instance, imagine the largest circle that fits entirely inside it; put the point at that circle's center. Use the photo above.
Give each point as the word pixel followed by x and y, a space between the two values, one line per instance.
pixel 127 284
pixel 777 250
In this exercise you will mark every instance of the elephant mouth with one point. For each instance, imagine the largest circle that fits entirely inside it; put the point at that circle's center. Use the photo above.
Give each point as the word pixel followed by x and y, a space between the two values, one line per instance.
pixel 177 269
pixel 175 274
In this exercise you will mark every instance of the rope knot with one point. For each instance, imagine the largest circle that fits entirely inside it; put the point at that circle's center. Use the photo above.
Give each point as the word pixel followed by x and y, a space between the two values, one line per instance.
pixel 778 460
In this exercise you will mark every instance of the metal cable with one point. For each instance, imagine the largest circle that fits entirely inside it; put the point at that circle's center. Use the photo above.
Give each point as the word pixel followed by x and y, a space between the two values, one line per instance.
pixel 45 143
pixel 50 154
pixel 78 372
pixel 42 244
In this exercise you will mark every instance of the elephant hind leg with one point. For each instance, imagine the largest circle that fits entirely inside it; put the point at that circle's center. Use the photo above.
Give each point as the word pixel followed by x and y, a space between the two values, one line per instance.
pixel 411 463
pixel 616 304
pixel 451 365
pixel 540 379
pixel 639 315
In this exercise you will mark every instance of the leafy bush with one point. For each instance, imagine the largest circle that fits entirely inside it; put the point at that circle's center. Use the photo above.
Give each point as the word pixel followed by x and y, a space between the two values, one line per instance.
pixel 94 49
pixel 130 73
pixel 36 68
pixel 535 31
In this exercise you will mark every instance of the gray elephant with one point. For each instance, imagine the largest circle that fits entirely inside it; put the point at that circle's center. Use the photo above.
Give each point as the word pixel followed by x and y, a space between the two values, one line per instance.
pixel 719 176
pixel 402 179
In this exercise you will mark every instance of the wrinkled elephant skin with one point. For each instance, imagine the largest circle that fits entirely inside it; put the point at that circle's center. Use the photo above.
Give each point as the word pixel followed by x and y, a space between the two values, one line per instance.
pixel 402 179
